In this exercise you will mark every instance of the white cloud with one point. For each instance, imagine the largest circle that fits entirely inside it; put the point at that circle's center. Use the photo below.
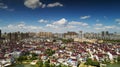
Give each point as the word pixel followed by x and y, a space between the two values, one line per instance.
pixel 55 4
pixel 57 24
pixel 70 26
pixel 42 21
pixel 63 25
pixel 85 17
pixel 21 24
pixel 21 27
pixel 105 17
pixel 77 23
pixel 113 27
pixel 97 20
pixel 117 20
pixel 51 26
pixel 32 3
pixel 60 22
pixel 99 28
pixel 109 27
pixel 44 5
pixel 84 24
pixel 99 24
pixel 3 6
pixel 37 3
pixel 9 26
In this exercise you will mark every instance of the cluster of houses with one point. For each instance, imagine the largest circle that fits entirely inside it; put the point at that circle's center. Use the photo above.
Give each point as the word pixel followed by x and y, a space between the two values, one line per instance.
pixel 73 53
pixel 76 52
pixel 67 54
pixel 10 51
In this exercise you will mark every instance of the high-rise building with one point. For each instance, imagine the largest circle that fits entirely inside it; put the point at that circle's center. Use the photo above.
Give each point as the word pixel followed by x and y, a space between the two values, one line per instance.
pixel 1 38
pixel 70 35
pixel 0 33
pixel 9 36
pixel 107 33
pixel 103 34
pixel 80 35
pixel 45 34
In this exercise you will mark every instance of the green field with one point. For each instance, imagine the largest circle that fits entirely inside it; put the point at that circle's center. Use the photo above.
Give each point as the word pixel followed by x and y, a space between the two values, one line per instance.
pixel 23 65
pixel 113 65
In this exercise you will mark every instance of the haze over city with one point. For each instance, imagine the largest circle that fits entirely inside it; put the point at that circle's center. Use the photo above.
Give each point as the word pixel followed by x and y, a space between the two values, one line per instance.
pixel 59 15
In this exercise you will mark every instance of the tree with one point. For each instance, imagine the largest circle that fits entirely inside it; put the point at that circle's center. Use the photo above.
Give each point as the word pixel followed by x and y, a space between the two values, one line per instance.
pixel 78 63
pixel 47 64
pixel 59 65
pixel 67 40
pixel 52 65
pixel 49 52
pixel 106 61
pixel 118 59
pixel 64 66
pixel 95 63
pixel 34 55
pixel 40 63
pixel 91 62
pixel 54 40
pixel 88 62
pixel 22 58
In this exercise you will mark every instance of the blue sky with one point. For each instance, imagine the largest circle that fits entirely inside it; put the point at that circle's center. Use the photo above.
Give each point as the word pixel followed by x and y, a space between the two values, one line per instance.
pixel 60 15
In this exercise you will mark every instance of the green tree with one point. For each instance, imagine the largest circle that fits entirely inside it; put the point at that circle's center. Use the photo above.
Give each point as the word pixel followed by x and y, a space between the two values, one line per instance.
pixel 67 40
pixel 49 52
pixel 34 56
pixel 106 61
pixel 64 66
pixel 118 59
pixel 44 65
pixel 52 65
pixel 59 65
pixel 47 64
pixel 40 63
pixel 92 63
pixel 95 63
pixel 88 62
pixel 22 58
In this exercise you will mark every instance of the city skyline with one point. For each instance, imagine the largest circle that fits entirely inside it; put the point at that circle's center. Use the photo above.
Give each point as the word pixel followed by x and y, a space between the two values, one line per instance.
pixel 59 15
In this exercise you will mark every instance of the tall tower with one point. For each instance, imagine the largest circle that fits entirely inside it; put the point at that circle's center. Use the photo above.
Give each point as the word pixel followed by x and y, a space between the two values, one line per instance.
pixel 10 36
pixel 107 33
pixel 80 35
pixel 103 33
pixel 0 33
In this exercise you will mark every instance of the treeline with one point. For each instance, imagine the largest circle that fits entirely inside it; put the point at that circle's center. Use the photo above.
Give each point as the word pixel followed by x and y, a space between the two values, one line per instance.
pixel 47 63
pixel 112 41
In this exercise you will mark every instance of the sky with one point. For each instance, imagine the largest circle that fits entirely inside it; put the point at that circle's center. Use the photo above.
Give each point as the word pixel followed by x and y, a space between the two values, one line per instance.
pixel 59 15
